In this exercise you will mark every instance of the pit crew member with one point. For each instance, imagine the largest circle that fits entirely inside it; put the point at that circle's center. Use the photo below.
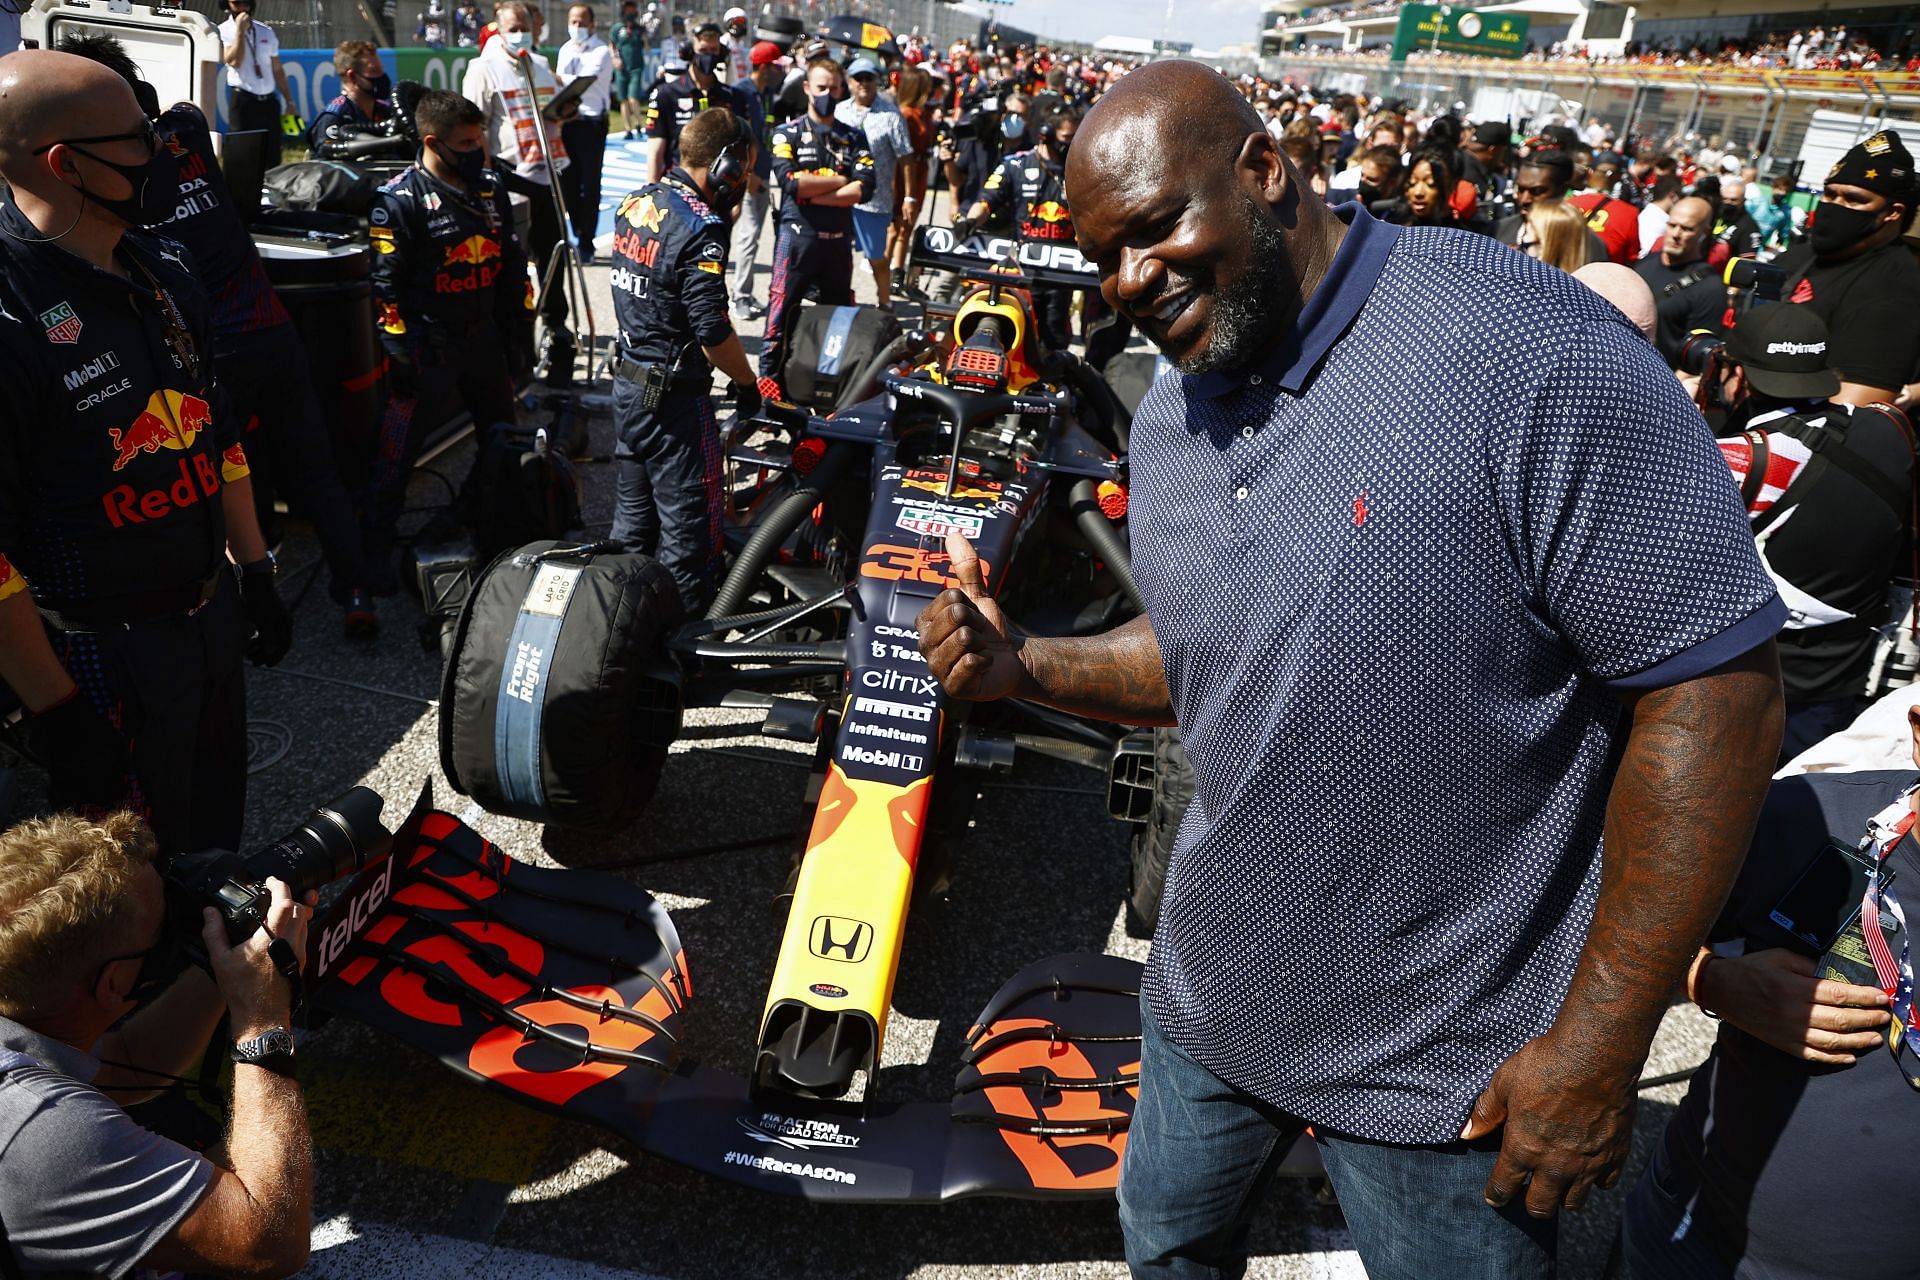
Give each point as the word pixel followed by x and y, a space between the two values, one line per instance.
pixel 674 104
pixel 1033 184
pixel 455 304
pixel 257 354
pixel 822 169
pixel 362 106
pixel 123 486
pixel 670 297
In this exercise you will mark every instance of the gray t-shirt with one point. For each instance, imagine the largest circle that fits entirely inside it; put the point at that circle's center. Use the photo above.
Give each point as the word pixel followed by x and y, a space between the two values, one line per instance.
pixel 886 131
pixel 84 1191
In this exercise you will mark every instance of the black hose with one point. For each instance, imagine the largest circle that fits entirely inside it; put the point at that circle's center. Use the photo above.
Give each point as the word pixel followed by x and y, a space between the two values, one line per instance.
pixel 1100 532
pixel 787 513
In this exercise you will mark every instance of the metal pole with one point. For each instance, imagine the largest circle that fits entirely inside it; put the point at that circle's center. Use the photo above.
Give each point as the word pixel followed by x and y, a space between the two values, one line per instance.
pixel 574 280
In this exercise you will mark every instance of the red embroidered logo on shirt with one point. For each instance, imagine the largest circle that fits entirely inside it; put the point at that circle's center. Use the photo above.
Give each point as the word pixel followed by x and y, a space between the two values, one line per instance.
pixel 1803 294
pixel 1360 508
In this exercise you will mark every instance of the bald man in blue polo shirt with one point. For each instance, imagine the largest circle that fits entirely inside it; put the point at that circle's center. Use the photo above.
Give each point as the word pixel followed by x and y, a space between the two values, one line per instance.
pixel 1445 580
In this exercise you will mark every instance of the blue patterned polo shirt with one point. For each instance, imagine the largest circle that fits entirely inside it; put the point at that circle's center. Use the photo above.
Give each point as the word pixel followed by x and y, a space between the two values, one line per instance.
pixel 1399 568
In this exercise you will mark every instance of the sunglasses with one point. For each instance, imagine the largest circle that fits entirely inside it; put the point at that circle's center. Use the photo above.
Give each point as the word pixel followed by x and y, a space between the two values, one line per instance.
pixel 146 133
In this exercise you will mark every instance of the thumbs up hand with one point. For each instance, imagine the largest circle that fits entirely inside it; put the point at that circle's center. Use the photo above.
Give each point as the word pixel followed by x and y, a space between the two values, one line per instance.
pixel 965 638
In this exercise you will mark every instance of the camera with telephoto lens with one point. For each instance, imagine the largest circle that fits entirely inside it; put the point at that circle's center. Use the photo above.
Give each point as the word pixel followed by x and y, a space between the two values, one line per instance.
pixel 1762 279
pixel 1699 352
pixel 335 840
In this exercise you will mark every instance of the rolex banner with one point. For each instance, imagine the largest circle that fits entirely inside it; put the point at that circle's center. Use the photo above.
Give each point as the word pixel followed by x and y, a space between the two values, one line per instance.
pixel 1488 35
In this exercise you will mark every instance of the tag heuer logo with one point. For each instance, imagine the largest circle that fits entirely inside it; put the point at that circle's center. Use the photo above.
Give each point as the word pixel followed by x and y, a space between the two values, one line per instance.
pixel 62 325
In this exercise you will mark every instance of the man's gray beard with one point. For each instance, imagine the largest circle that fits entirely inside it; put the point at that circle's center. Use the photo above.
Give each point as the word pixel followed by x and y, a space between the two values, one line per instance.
pixel 1243 323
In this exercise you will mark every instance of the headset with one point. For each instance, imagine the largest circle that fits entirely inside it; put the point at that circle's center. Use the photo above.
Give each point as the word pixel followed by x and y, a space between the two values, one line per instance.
pixel 727 175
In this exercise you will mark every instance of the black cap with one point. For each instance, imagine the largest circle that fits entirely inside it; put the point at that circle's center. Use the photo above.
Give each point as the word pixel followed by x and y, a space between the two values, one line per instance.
pixel 1493 133
pixel 1880 163
pixel 1783 349
pixel 709 26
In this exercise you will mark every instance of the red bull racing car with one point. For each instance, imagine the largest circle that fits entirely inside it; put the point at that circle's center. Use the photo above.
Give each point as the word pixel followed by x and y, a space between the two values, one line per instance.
pixel 569 988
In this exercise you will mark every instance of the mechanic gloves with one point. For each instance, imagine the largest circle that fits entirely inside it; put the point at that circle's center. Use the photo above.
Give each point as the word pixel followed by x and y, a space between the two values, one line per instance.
pixel 267 617
pixel 746 400
pixel 963 228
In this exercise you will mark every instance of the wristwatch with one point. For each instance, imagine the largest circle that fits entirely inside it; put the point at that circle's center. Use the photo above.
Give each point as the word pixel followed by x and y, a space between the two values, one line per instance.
pixel 274 1051
pixel 268 564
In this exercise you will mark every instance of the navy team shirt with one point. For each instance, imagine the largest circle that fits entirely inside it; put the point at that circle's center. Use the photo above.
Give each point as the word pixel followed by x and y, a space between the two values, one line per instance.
pixel 1400 568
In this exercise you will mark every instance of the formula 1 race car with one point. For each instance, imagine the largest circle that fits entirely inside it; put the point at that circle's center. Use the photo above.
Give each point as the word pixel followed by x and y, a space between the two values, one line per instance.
pixel 567 987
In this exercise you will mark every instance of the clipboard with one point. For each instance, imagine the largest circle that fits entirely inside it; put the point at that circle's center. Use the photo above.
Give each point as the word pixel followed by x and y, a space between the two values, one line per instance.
pixel 572 91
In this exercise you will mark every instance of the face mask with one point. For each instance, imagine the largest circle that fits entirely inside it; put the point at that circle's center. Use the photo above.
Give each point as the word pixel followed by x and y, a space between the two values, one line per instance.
pixel 580 34
pixel 156 186
pixel 380 86
pixel 517 41
pixel 1835 227
pixel 822 104
pixel 1060 147
pixel 1368 193
pixel 706 61
pixel 468 164
pixel 160 966
pixel 1013 128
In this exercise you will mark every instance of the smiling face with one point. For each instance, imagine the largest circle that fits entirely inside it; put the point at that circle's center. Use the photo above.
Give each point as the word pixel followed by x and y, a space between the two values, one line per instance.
pixel 1191 252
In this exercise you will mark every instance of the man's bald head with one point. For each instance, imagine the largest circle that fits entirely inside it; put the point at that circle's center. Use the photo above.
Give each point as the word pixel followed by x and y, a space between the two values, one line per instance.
pixel 1174 112
pixel 47 96
pixel 1194 218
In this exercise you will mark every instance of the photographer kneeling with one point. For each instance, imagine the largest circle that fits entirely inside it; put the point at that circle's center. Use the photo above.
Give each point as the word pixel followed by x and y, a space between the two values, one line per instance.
pixel 83 1189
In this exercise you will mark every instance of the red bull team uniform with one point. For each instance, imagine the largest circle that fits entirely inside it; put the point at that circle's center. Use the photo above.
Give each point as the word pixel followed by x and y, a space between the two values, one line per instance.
pixel 259 357
pixel 814 252
pixel 1035 191
pixel 114 448
pixel 669 280
pixel 455 315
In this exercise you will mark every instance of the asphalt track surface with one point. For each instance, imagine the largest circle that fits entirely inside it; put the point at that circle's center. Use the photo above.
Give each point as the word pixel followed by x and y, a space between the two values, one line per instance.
pixel 421 1174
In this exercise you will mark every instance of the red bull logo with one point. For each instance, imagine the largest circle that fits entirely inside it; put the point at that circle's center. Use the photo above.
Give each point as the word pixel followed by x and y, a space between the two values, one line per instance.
pixel 1047 220
pixel 171 420
pixel 641 211
pixel 472 251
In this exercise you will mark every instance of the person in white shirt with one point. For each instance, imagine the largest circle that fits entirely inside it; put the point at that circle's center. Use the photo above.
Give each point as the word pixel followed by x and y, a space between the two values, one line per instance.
pixel 1653 219
pixel 886 131
pixel 256 82
pixel 586 55
pixel 520 137
pixel 738 44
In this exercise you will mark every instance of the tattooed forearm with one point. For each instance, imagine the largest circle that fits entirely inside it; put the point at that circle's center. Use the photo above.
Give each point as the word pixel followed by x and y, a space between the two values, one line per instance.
pixel 1679 820
pixel 1115 676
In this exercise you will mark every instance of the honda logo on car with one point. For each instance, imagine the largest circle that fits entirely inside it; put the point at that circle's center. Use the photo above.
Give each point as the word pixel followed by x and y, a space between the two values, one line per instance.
pixel 855 754
pixel 934 524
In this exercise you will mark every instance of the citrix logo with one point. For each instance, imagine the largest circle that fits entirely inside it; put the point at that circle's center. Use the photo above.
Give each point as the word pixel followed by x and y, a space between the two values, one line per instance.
pixel 901 682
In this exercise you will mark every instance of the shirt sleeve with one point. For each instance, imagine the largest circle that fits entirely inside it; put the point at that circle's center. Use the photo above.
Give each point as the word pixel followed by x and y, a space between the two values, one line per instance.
pixel 703 285
pixel 860 166
pixel 1624 520
pixel 997 190
pixel 513 300
pixel 85 1190
pixel 387 224
pixel 660 113
pixel 781 148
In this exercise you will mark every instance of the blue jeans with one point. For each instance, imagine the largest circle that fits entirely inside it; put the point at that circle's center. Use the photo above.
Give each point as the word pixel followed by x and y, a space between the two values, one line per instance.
pixel 1200 1154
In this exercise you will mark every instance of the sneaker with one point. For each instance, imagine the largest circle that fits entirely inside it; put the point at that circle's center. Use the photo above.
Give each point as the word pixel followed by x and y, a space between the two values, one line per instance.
pixel 749 309
pixel 586 253
pixel 361 621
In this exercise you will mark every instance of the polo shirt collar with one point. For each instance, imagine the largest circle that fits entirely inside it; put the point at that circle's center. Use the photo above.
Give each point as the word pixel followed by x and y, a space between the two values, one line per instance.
pixel 1349 282
pixel 77 1064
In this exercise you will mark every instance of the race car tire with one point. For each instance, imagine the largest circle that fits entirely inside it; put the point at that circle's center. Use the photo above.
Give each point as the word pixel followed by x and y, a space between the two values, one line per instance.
pixel 1153 839
pixel 549 708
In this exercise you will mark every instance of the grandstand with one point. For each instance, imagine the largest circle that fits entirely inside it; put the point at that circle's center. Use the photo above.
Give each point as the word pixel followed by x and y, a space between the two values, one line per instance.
pixel 1774 81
